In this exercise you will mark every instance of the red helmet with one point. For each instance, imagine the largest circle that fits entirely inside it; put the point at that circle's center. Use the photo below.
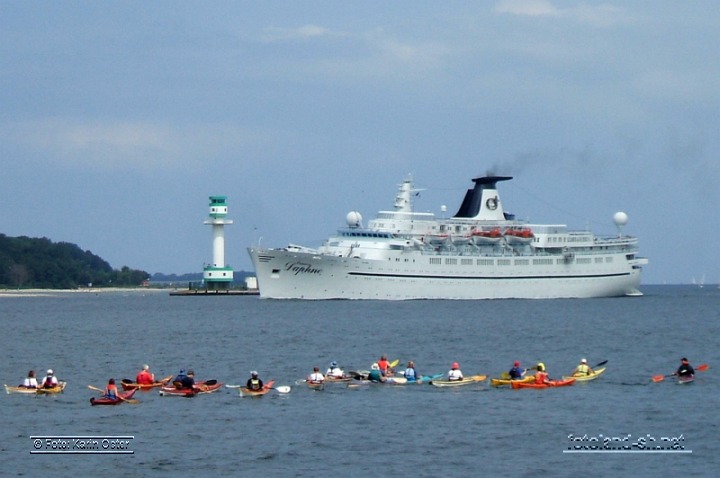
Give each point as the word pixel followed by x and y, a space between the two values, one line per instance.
pixel 455 365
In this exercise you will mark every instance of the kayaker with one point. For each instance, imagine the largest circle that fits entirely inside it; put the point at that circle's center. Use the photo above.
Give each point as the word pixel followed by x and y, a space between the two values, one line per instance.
pixel 685 369
pixel 144 377
pixel 384 366
pixel 178 380
pixel 30 381
pixel 189 380
pixel 583 369
pixel 334 371
pixel 254 382
pixel 541 375
pixel 111 390
pixel 50 380
pixel 375 374
pixel 316 376
pixel 516 373
pixel 455 373
pixel 410 373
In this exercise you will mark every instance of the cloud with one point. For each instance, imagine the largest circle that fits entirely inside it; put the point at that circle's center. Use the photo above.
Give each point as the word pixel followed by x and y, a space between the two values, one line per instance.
pixel 602 15
pixel 121 144
pixel 532 8
pixel 272 34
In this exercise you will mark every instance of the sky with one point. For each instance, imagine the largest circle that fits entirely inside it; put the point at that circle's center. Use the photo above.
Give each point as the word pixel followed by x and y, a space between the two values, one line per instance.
pixel 119 119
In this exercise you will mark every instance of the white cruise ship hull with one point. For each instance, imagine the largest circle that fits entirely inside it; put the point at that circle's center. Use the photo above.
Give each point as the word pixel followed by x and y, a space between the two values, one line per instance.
pixel 482 252
pixel 286 274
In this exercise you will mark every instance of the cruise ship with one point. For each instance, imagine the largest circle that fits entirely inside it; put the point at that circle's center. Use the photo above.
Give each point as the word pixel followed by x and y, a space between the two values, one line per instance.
pixel 482 252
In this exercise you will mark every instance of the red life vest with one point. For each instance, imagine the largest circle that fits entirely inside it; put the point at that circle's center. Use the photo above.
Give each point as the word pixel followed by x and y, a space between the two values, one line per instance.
pixel 111 391
pixel 540 377
pixel 383 364
pixel 144 377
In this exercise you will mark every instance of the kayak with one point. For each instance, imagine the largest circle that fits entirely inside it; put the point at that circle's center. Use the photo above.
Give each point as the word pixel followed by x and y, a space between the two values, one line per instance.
pixel 551 384
pixel 342 379
pixel 315 385
pixel 499 382
pixel 112 401
pixel 458 383
pixel 686 379
pixel 208 386
pixel 35 391
pixel 246 392
pixel 128 384
pixel 587 378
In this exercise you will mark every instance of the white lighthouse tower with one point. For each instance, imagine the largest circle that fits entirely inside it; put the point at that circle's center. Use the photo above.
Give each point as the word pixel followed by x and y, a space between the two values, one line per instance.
pixel 218 275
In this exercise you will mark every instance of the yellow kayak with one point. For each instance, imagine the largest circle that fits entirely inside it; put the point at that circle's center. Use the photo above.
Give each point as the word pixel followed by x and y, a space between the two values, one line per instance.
pixel 499 382
pixel 586 378
pixel 458 383
pixel 34 391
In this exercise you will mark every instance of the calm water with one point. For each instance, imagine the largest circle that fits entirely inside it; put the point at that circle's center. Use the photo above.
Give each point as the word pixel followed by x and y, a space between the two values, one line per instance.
pixel 386 431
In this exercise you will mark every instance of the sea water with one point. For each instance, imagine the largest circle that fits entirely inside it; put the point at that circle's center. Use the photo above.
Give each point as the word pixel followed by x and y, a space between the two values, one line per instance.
pixel 602 428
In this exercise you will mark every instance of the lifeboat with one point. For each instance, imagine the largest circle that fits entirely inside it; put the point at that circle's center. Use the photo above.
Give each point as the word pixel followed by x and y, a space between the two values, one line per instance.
pixel 437 239
pixel 519 236
pixel 492 236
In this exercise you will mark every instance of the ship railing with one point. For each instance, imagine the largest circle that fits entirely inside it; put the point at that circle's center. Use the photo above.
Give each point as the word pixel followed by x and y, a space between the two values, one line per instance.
pixel 507 251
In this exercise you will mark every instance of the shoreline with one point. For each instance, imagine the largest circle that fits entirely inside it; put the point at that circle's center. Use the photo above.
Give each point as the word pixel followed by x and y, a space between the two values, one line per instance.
pixel 55 292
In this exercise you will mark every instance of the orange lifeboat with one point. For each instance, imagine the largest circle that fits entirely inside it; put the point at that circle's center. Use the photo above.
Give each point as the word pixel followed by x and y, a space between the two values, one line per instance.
pixel 519 235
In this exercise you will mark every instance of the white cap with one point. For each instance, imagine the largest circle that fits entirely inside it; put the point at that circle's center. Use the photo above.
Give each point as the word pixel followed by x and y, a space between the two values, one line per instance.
pixel 146 366
pixel 49 372
pixel 375 366
pixel 583 361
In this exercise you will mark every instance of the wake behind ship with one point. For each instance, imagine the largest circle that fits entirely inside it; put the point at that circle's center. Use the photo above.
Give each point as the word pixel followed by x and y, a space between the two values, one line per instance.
pixel 481 252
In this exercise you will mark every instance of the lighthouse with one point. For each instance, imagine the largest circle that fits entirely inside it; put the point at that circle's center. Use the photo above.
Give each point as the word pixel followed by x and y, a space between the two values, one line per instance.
pixel 218 275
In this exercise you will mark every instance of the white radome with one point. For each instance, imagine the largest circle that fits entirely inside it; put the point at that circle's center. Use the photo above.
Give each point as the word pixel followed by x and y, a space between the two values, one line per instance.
pixel 620 218
pixel 354 219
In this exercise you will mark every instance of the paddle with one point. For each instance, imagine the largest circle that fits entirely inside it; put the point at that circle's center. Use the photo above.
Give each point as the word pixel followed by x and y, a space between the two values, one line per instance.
pixel 128 400
pixel 700 368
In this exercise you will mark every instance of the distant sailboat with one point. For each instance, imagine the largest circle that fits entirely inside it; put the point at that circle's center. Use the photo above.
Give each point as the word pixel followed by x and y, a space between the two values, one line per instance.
pixel 700 284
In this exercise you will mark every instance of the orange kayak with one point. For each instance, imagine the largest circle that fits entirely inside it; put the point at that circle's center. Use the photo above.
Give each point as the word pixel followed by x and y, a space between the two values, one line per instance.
pixel 551 384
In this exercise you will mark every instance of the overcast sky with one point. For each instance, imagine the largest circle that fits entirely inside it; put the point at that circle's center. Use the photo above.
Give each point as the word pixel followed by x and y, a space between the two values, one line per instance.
pixel 119 119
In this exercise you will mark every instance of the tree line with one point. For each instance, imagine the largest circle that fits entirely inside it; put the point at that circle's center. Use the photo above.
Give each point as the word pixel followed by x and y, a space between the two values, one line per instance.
pixel 39 263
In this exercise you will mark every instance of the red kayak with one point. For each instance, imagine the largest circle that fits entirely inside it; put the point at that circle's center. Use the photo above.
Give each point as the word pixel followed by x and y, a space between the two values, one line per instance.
pixel 550 384
pixel 128 384
pixel 112 401
pixel 208 386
